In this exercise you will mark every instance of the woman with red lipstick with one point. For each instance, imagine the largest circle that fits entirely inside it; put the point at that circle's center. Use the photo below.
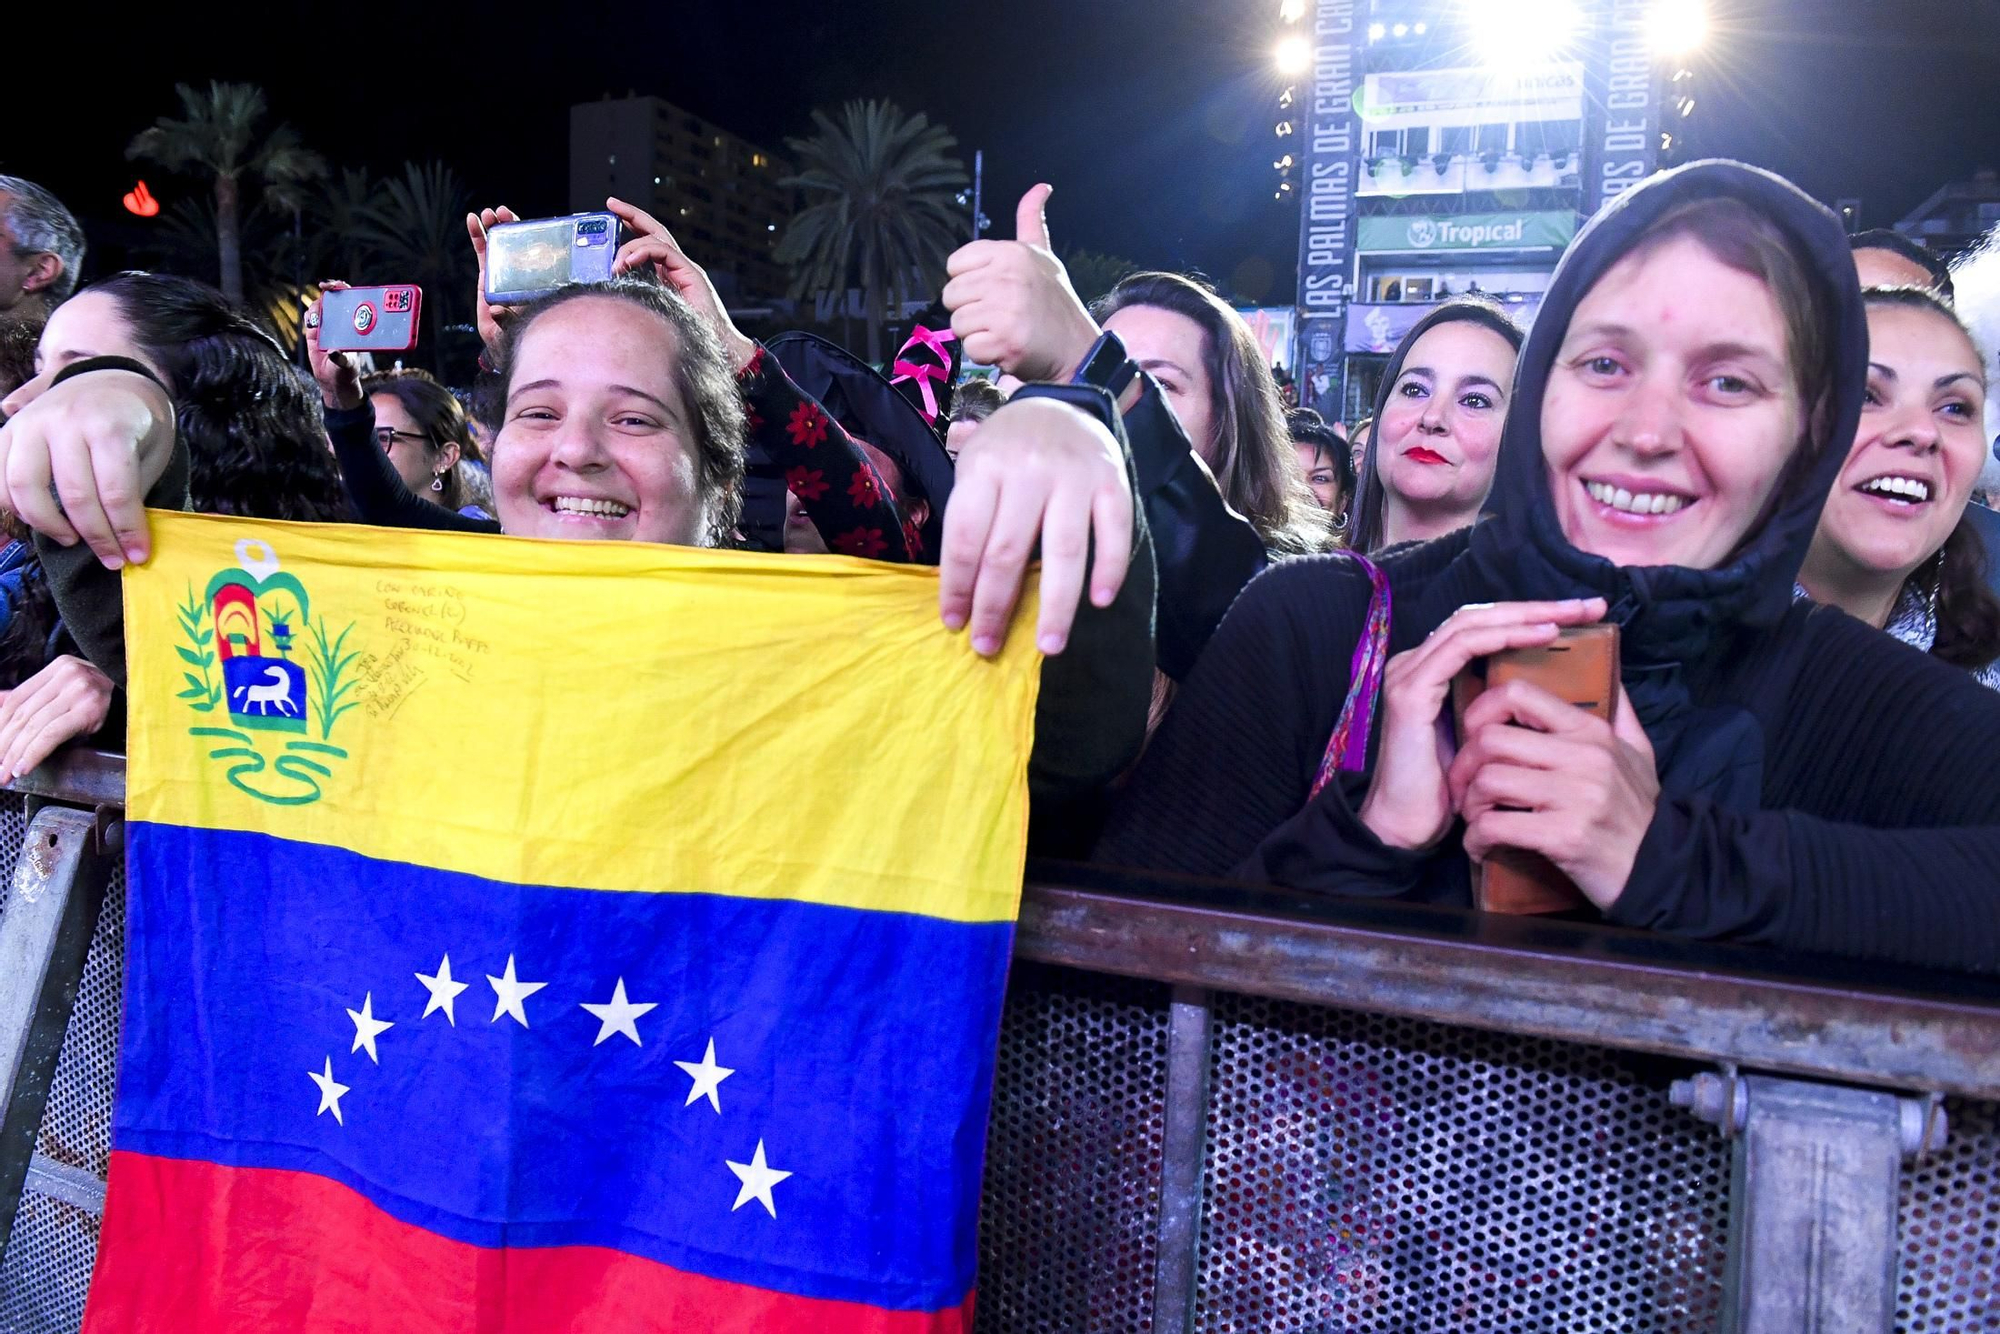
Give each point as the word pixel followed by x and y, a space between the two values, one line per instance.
pixel 1894 547
pixel 1775 771
pixel 1429 462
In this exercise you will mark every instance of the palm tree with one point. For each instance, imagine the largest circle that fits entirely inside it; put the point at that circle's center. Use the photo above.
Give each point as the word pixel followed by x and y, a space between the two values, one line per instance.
pixel 1093 274
pixel 417 225
pixel 219 133
pixel 185 242
pixel 882 208
pixel 339 209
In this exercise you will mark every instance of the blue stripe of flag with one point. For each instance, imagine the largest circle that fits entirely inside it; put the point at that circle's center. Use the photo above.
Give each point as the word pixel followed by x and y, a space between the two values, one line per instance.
pixel 862 1045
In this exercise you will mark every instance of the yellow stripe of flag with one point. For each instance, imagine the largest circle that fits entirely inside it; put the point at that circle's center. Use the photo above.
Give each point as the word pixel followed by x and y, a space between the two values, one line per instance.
pixel 488 705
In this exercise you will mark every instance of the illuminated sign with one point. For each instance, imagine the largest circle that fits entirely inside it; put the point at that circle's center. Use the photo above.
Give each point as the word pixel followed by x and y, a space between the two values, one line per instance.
pixel 139 200
pixel 1326 211
pixel 1443 97
pixel 1469 231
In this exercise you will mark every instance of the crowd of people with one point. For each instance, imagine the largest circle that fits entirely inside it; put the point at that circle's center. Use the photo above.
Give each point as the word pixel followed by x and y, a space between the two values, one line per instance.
pixel 1749 440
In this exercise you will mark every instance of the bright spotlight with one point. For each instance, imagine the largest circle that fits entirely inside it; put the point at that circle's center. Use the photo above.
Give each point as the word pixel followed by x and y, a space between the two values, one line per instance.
pixel 1420 29
pixel 1376 32
pixel 1522 34
pixel 1294 56
pixel 1677 27
pixel 1291 11
pixel 1402 30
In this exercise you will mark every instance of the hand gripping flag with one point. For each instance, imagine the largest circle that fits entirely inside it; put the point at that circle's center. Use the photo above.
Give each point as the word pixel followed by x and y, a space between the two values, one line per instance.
pixel 533 936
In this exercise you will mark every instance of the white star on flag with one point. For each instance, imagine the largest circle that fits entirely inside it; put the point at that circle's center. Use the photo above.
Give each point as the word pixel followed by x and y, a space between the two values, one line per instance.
pixel 757 1177
pixel 707 1077
pixel 367 1027
pixel 617 1015
pixel 443 991
pixel 330 1091
pixel 508 994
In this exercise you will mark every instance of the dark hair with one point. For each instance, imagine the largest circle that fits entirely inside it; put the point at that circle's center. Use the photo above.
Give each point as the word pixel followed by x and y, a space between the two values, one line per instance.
pixel 701 372
pixel 38 223
pixel 251 420
pixel 440 417
pixel 1968 612
pixel 976 400
pixel 1371 500
pixel 19 337
pixel 1307 427
pixel 1882 238
pixel 1254 466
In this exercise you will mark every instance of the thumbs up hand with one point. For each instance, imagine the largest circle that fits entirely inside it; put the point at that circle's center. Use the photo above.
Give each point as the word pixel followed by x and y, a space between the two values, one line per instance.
pixel 1011 302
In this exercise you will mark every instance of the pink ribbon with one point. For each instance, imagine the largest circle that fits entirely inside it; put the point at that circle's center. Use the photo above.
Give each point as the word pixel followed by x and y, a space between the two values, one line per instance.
pixel 924 375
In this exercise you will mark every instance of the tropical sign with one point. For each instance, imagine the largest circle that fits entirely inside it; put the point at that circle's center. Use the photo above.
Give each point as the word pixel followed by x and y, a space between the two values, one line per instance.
pixel 1550 230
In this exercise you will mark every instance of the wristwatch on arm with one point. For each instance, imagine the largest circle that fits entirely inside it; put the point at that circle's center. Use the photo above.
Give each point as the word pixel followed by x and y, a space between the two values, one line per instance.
pixel 1107 366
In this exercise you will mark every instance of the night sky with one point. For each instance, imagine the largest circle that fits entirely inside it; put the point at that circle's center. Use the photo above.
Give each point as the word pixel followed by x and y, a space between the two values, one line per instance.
pixel 1153 119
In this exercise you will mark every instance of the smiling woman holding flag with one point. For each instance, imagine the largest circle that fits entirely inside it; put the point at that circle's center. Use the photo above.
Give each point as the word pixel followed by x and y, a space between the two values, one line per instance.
pixel 746 817
pixel 622 423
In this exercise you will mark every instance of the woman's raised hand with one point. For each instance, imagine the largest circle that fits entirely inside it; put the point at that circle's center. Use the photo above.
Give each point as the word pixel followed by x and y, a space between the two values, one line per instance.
pixel 487 317
pixel 652 244
pixel 1011 302
pixel 339 379
pixel 77 461
pixel 1036 471
pixel 1409 804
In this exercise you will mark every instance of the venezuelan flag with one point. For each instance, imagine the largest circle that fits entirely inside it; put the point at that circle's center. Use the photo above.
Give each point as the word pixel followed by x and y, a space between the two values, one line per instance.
pixel 535 936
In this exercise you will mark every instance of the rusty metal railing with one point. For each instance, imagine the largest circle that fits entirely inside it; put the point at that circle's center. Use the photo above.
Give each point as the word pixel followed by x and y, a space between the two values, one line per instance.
pixel 1222 1107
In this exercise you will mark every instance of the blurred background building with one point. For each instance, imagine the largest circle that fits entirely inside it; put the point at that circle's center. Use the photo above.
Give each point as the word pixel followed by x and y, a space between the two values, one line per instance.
pixel 1445 147
pixel 719 193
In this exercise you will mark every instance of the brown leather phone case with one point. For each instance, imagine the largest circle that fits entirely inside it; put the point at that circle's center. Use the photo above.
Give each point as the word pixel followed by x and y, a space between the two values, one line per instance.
pixel 1581 666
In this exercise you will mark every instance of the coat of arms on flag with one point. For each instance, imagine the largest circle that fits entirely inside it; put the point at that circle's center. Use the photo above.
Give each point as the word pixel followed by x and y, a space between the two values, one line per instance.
pixel 254 662
pixel 636 965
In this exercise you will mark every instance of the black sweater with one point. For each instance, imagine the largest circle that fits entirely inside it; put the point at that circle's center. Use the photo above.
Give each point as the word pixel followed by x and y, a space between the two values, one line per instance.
pixel 1879 833
pixel 1823 787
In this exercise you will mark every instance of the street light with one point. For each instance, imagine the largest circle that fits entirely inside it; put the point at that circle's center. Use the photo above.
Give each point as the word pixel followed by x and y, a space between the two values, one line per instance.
pixel 1677 27
pixel 1294 55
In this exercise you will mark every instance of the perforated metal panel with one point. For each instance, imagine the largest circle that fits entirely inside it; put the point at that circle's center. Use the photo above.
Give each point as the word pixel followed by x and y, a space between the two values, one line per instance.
pixel 1369 1175
pixel 45 1273
pixel 1949 1277
pixel 1069 1222
pixel 13 828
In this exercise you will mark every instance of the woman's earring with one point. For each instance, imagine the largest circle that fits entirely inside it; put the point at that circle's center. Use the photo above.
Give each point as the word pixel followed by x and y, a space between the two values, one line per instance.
pixel 437 482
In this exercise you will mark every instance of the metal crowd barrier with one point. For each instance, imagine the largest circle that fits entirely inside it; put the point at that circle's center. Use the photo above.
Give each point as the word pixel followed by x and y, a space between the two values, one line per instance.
pixel 1225 1109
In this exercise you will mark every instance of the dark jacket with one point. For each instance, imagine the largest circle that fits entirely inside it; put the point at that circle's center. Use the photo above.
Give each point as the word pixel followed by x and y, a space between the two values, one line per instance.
pixel 1206 551
pixel 1823 786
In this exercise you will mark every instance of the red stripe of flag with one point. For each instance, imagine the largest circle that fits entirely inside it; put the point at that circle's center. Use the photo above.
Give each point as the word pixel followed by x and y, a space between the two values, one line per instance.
pixel 192 1245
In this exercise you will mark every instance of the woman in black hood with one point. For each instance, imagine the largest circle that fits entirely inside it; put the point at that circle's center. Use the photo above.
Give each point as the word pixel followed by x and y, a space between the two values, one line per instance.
pixel 1776 772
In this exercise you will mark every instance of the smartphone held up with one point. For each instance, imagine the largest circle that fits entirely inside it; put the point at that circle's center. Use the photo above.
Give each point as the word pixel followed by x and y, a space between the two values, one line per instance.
pixel 526 260
pixel 370 319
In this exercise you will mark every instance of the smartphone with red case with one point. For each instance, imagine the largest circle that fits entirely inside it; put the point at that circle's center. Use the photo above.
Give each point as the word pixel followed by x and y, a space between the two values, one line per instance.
pixel 370 319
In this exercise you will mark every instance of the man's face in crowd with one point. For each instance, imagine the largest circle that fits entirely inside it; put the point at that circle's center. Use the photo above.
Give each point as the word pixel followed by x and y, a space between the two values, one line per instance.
pixel 1886 268
pixel 23 273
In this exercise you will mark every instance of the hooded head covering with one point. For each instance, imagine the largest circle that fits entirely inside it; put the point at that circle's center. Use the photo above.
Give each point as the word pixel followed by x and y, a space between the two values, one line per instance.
pixel 1671 615
pixel 1369 498
pixel 869 408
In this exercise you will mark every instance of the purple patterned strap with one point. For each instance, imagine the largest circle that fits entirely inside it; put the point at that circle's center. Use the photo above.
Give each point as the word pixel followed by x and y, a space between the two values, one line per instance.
pixel 1347 750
